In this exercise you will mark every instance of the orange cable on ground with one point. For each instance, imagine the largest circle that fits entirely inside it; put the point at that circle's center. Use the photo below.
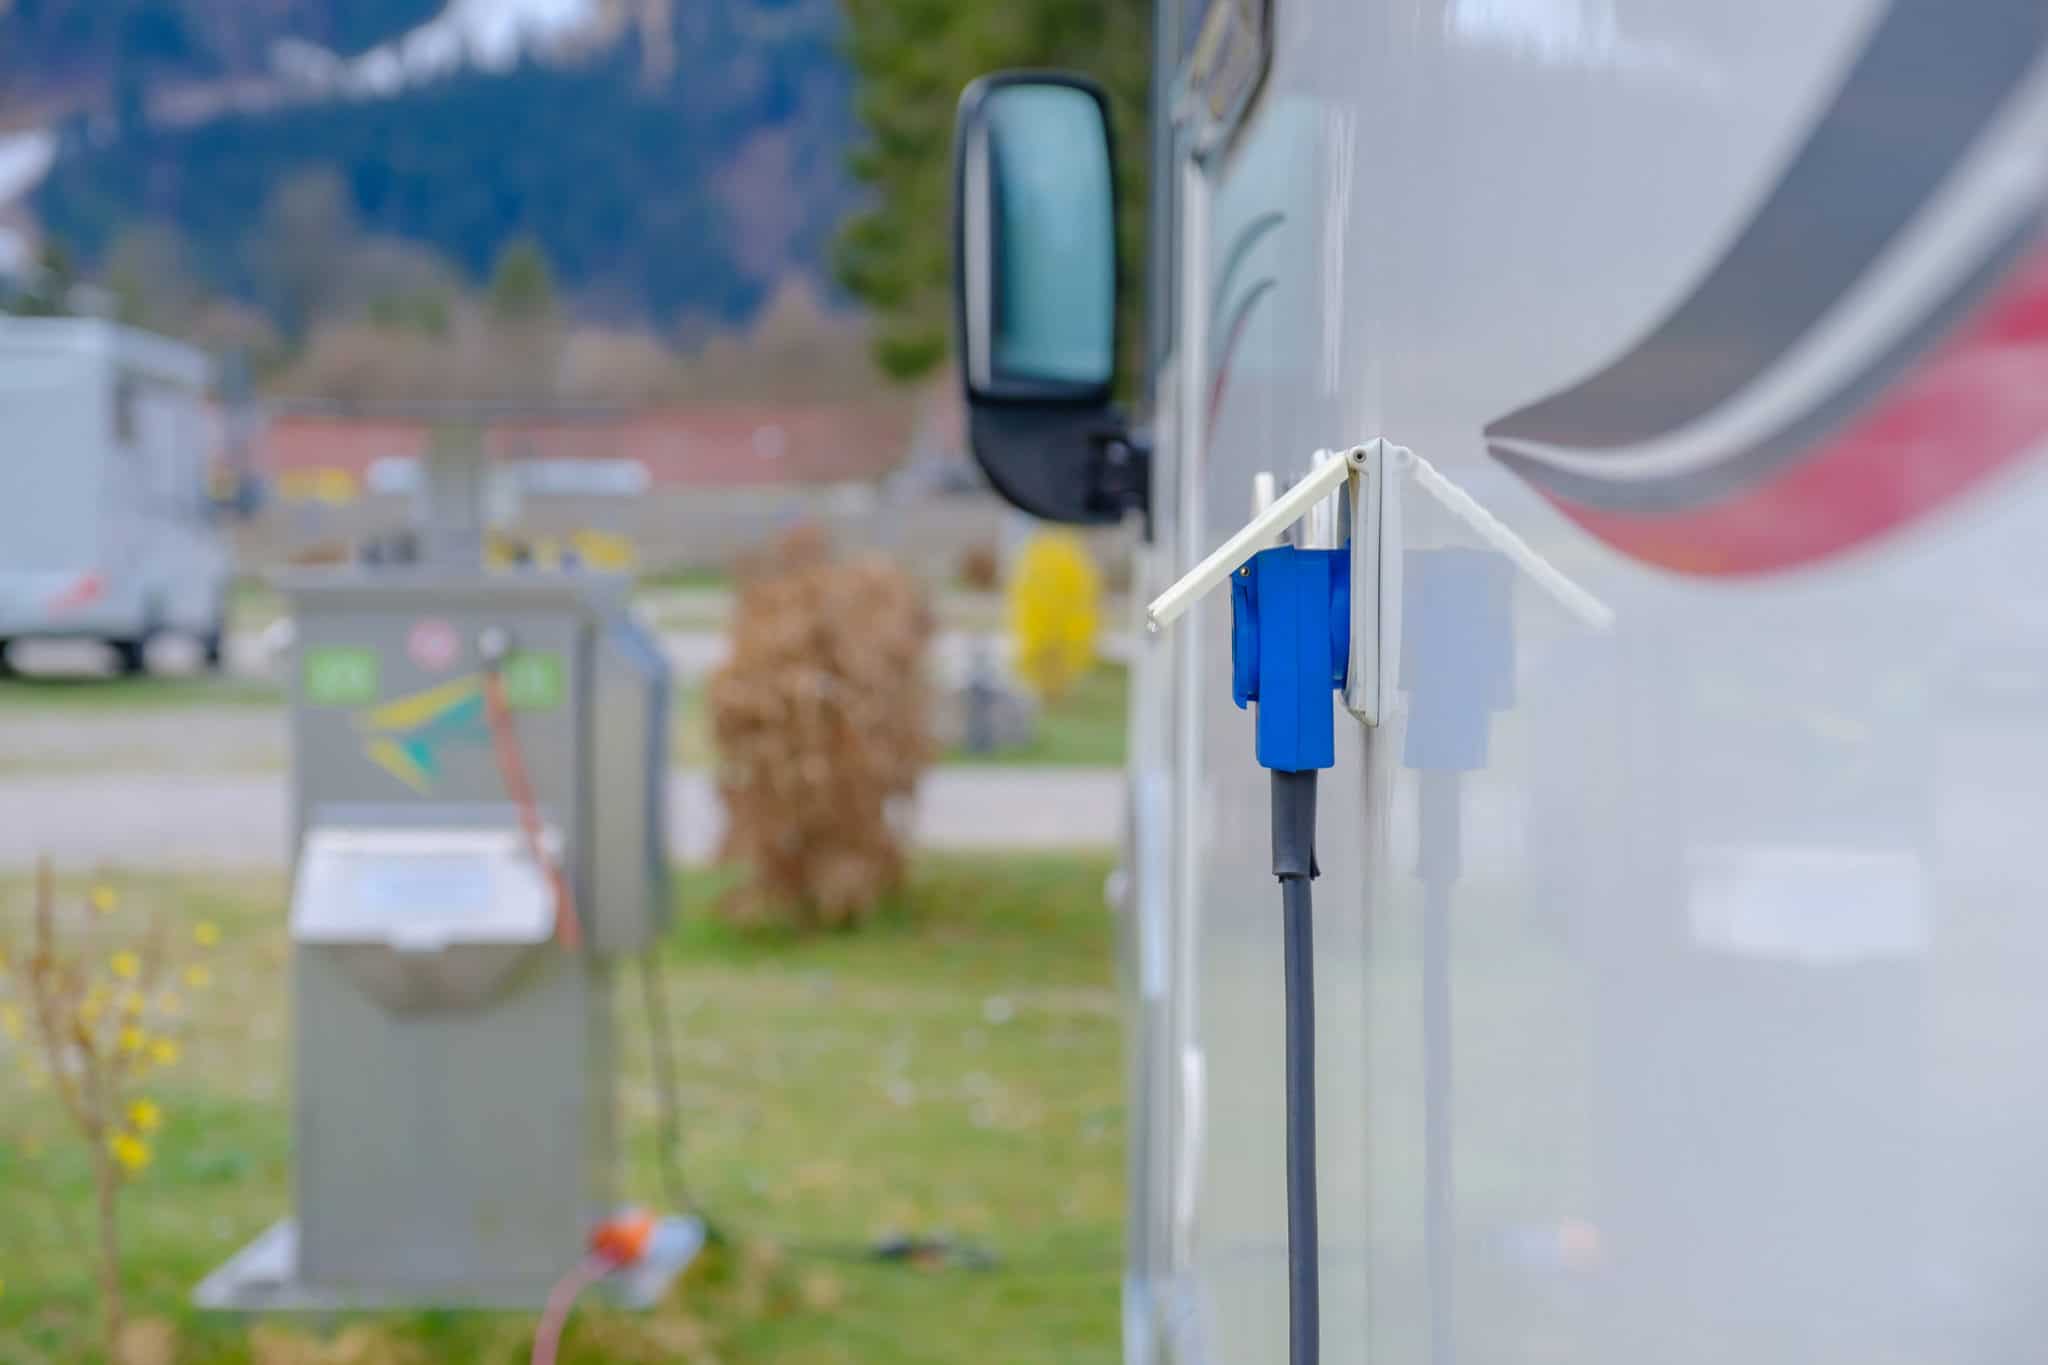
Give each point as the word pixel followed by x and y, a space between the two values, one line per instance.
pixel 614 1244
pixel 547 1337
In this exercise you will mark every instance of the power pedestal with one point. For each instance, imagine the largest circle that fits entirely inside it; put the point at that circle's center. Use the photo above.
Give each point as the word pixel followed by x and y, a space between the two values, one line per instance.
pixel 454 1129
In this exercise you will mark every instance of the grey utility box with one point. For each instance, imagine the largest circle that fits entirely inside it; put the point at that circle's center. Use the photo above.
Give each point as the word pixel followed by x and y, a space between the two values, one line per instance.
pixel 454 1132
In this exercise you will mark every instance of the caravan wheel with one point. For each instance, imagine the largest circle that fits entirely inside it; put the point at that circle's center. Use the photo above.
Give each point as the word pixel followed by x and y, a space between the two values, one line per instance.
pixel 131 657
pixel 213 648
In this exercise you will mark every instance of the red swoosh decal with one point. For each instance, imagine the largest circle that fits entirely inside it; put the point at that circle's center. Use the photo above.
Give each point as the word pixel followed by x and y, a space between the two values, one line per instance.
pixel 1977 404
pixel 1219 378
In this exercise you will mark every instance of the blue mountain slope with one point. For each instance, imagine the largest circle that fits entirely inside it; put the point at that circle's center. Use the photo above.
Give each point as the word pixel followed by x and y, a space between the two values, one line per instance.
pixel 687 186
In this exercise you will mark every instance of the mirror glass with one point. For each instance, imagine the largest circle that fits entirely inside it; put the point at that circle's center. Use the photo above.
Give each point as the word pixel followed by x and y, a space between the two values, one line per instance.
pixel 1042 257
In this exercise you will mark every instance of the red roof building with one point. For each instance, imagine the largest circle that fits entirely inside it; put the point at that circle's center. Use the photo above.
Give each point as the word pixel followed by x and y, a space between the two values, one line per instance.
pixel 712 445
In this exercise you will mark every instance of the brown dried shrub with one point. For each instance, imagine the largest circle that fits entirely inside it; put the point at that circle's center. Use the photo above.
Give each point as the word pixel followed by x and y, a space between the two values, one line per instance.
pixel 821 720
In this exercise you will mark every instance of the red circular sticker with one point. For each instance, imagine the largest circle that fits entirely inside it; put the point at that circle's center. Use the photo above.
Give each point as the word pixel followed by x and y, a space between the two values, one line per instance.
pixel 433 645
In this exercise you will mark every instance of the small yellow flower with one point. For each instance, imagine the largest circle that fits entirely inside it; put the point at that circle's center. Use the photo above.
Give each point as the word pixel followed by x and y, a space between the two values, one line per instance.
pixel 130 1151
pixel 144 1116
pixel 11 1022
pixel 132 1041
pixel 164 1052
pixel 198 976
pixel 125 965
pixel 104 900
pixel 206 933
pixel 132 1003
pixel 89 1012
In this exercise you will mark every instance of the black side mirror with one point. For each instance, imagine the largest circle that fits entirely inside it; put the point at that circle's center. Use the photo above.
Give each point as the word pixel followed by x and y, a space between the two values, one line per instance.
pixel 1035 284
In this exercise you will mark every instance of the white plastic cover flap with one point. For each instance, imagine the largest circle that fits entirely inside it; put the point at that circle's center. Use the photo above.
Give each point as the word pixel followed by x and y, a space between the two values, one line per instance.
pixel 419 890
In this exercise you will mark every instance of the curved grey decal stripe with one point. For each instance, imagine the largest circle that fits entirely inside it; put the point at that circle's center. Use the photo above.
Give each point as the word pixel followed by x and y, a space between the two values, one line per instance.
pixel 1930 79
pixel 1227 336
pixel 1247 238
pixel 1730 475
pixel 1224 340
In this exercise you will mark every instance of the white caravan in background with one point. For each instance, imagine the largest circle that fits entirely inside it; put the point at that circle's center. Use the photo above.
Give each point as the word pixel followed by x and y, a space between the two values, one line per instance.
pixel 107 530
pixel 1682 927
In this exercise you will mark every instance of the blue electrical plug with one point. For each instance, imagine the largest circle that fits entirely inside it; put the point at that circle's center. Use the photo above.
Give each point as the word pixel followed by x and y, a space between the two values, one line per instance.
pixel 1290 647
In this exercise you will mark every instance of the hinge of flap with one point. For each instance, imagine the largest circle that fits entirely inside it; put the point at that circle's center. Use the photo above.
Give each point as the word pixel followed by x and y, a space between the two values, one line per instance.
pixel 1374 490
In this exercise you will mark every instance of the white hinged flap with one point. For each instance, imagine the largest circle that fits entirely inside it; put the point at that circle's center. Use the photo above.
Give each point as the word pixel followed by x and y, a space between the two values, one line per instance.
pixel 420 890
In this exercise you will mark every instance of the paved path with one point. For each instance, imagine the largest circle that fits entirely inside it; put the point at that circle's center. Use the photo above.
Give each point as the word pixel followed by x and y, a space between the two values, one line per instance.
pixel 205 739
pixel 693 654
pixel 169 820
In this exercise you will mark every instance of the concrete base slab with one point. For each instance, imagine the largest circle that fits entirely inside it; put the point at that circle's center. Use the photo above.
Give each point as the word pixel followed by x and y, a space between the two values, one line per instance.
pixel 263 1278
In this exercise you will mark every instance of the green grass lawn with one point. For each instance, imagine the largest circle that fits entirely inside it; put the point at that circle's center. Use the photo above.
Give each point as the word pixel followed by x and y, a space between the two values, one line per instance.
pixel 697 578
pixel 1085 728
pixel 137 694
pixel 952 1067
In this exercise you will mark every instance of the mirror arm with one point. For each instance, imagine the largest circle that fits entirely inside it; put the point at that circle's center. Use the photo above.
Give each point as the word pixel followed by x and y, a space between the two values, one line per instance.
pixel 1122 473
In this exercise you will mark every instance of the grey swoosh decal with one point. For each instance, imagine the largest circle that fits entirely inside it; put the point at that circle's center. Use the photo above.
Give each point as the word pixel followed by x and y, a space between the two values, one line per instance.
pixel 1226 336
pixel 1247 238
pixel 1730 475
pixel 1931 77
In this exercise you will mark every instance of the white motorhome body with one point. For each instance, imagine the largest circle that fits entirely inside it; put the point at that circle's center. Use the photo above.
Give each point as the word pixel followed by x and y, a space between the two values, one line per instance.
pixel 106 528
pixel 1678 981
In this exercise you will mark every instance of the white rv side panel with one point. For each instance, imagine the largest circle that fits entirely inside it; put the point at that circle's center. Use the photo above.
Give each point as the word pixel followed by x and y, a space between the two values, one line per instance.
pixel 52 447
pixel 1679 983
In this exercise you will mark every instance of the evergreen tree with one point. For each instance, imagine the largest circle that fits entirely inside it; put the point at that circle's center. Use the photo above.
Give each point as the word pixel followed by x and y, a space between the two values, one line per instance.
pixel 912 58
pixel 522 284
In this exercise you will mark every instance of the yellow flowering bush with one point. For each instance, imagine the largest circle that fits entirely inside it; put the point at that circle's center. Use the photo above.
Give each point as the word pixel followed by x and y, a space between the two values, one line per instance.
pixel 83 1013
pixel 1055 611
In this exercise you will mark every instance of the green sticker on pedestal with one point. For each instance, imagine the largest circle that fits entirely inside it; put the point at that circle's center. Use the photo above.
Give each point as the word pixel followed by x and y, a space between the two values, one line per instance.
pixel 533 682
pixel 341 675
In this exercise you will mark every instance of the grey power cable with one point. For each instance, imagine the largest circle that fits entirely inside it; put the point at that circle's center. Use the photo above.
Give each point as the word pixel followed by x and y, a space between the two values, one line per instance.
pixel 1294 863
pixel 667 1093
